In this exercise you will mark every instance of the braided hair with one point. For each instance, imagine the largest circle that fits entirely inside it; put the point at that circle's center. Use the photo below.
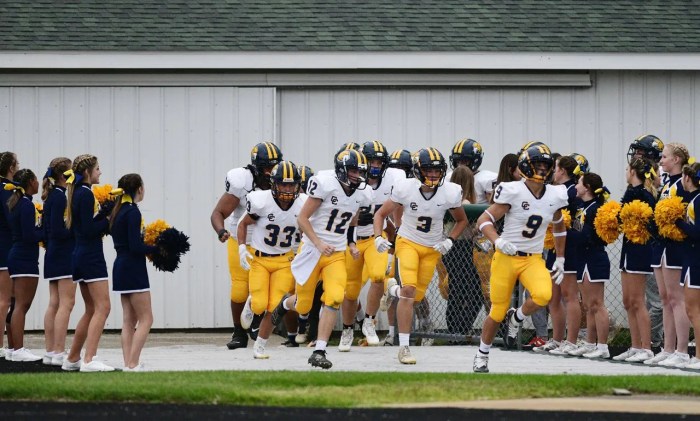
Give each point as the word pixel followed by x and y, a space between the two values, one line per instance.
pixel 55 172
pixel 81 164
pixel 20 182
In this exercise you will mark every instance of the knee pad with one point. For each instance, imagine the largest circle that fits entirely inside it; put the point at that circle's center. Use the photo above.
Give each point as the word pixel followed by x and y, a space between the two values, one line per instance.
pixel 541 298
pixel 258 305
pixel 498 311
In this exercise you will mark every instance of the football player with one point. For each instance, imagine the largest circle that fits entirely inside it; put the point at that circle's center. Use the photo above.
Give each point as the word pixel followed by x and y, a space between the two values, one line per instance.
pixel 327 220
pixel 273 215
pixel 239 182
pixel 424 201
pixel 528 208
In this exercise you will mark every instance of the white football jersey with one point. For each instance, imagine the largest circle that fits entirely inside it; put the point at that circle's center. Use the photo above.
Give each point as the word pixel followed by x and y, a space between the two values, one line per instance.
pixel 528 218
pixel 422 218
pixel 379 196
pixel 239 182
pixel 483 185
pixel 297 237
pixel 332 219
pixel 274 232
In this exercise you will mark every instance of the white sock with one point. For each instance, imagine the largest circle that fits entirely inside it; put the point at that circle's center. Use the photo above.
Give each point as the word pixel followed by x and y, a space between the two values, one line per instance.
pixel 320 345
pixel 484 348
pixel 519 315
pixel 285 305
pixel 602 347
pixel 403 339
pixel 394 291
pixel 261 342
pixel 391 331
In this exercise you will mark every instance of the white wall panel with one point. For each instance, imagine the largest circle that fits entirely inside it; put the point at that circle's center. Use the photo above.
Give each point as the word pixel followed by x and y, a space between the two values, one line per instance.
pixel 181 140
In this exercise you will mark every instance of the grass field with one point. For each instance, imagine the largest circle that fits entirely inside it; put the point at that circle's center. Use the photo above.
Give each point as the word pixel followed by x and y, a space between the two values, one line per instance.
pixel 323 389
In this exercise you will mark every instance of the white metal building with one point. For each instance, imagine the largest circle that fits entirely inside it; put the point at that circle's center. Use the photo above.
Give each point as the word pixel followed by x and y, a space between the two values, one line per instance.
pixel 181 108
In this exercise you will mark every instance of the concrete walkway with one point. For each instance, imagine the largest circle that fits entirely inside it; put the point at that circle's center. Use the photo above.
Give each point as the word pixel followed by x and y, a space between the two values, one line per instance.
pixel 207 351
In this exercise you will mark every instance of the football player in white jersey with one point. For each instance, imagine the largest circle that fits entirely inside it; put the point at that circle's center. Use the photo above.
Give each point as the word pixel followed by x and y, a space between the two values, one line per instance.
pixel 528 207
pixel 240 182
pixel 370 264
pixel 419 241
pixel 273 215
pixel 328 221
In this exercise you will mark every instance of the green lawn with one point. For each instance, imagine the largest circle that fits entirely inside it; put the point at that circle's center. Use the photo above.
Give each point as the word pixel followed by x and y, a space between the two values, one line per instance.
pixel 323 389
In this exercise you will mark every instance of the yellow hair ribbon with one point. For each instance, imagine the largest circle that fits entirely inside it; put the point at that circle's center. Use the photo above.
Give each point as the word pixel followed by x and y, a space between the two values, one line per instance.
pixel 127 199
pixel 604 191
pixel 691 160
pixel 10 186
pixel 71 176
pixel 117 192
pixel 577 170
pixel 650 173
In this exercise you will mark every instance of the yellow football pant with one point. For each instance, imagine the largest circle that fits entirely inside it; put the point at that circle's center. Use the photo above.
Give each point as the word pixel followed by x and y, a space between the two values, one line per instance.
pixel 506 270
pixel 239 276
pixel 332 270
pixel 416 265
pixel 270 279
pixel 371 265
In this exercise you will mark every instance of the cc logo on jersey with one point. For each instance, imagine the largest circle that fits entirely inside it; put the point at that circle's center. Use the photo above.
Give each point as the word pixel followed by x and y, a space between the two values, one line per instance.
pixel 525 205
pixel 334 200
pixel 271 217
pixel 413 206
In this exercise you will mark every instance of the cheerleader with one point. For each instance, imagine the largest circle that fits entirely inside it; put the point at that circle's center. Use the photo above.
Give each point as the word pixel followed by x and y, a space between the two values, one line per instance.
pixel 690 277
pixel 667 262
pixel 23 259
pixel 130 274
pixel 593 265
pixel 566 318
pixel 8 166
pixel 57 261
pixel 89 267
pixel 635 264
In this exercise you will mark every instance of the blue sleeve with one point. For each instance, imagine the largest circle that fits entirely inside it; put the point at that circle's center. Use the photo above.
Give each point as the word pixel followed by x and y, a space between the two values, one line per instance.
pixel 92 228
pixel 133 228
pixel 58 225
pixel 691 230
pixel 30 233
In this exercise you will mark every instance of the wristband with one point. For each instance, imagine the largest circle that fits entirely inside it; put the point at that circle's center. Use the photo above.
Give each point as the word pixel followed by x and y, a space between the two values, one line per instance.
pixel 484 225
pixel 559 234
pixel 451 239
pixel 351 234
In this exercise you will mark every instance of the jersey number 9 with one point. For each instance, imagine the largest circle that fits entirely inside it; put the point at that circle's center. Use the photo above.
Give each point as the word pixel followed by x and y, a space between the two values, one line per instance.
pixel 533 223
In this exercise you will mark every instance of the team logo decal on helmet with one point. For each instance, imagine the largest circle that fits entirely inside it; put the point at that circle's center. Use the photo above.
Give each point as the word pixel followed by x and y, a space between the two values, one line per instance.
pixel 284 174
pixel 351 160
pixel 530 156
pixel 468 151
pixel 648 146
pixel 374 150
pixel 402 160
pixel 428 159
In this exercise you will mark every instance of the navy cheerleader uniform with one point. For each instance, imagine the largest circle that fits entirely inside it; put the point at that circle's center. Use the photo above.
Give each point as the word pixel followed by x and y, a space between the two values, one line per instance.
pixel 592 258
pixel 59 239
pixel 5 231
pixel 570 264
pixel 129 272
pixel 664 248
pixel 636 258
pixel 88 257
pixel 690 275
pixel 23 259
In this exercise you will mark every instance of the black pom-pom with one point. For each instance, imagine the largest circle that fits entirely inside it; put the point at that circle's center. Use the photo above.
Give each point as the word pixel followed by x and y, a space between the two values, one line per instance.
pixel 106 208
pixel 171 244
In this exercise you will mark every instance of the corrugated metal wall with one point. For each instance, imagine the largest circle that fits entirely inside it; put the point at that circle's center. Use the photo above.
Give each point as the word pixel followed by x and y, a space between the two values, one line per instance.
pixel 183 140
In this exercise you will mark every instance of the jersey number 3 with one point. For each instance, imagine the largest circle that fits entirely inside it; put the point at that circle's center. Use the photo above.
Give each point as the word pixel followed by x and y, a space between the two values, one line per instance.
pixel 274 234
pixel 533 224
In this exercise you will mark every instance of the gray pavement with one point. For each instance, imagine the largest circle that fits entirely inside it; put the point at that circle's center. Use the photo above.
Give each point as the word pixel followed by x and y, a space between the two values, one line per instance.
pixel 207 351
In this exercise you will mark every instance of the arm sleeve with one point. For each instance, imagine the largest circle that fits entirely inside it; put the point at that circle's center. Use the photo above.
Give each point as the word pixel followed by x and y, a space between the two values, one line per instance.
pixel 92 227
pixel 133 228
pixel 58 225
pixel 455 198
pixel 691 230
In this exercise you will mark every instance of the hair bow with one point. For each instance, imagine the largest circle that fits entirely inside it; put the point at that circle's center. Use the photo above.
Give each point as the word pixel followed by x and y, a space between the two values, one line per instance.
pixel 604 192
pixel 10 186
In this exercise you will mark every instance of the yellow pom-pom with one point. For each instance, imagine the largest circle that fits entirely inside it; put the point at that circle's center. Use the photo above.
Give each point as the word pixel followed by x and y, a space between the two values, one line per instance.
pixel 102 192
pixel 635 217
pixel 606 224
pixel 153 230
pixel 549 235
pixel 667 212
